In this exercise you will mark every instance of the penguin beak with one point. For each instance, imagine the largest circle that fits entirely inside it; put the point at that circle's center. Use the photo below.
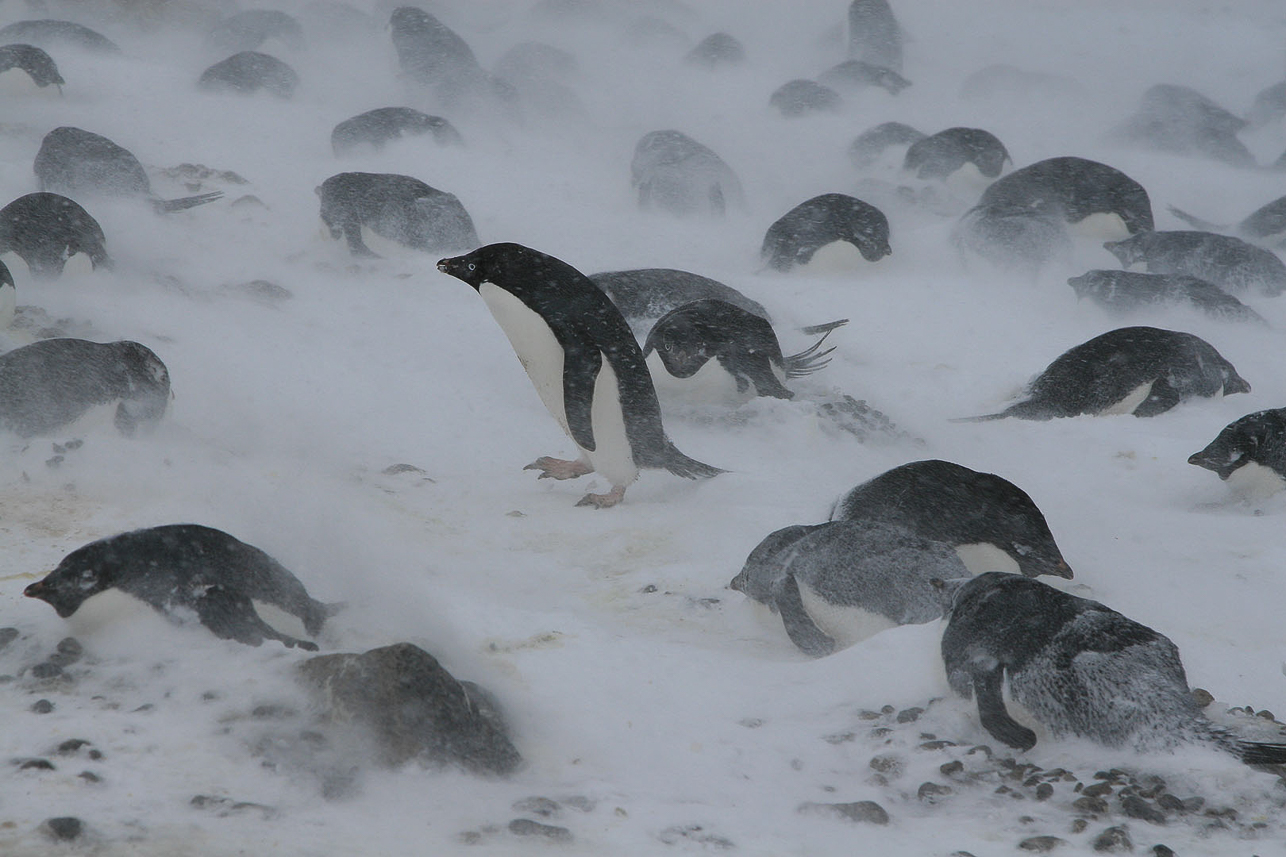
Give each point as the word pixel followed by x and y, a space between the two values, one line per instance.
pixel 35 590
pixel 1062 569
pixel 444 265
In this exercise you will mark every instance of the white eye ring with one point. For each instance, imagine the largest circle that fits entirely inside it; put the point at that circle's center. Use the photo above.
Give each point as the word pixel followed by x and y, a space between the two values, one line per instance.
pixel 472 267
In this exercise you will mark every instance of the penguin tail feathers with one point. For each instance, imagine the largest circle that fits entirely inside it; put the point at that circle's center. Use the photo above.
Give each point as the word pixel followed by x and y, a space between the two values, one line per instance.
pixel 167 206
pixel 985 418
pixel 811 358
pixel 1196 222
pixel 1255 753
pixel 689 468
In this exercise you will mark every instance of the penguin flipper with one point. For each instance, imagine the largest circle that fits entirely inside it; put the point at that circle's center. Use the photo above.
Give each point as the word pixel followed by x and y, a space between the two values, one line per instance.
pixel 581 366
pixel 231 616
pixel 801 629
pixel 1161 398
pixel 991 710
pixel 1197 222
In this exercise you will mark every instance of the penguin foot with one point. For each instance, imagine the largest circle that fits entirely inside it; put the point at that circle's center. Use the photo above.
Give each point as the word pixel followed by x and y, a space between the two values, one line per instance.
pixel 557 468
pixel 604 501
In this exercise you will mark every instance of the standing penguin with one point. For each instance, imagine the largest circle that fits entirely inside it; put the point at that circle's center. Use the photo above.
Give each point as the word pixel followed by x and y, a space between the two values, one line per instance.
pixel 584 362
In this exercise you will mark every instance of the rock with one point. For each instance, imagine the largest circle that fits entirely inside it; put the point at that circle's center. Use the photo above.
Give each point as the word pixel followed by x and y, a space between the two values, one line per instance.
pixel 71 745
pixel 1170 802
pixel 225 807
pixel 1090 805
pixel 42 706
pixel 697 834
pixel 46 670
pixel 1079 825
pixel 7 636
pixel 68 651
pixel 1113 840
pixel 890 765
pixel 414 707
pixel 909 715
pixel 1137 807
pixel 65 828
pixel 1202 697
pixel 1044 791
pixel 90 777
pixel 1162 850
pixel 1041 844
pixel 936 745
pixel 541 806
pixel 933 792
pixel 36 765
pixel 527 827
pixel 867 811
pixel 1097 790
pixel 951 769
pixel 580 803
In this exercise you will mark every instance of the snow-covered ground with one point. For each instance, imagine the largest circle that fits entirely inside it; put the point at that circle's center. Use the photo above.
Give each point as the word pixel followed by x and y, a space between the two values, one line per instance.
pixel 631 677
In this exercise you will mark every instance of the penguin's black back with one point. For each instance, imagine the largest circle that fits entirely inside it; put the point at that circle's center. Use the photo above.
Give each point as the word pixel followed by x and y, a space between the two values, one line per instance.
pixel 46 228
pixel 34 61
pixel 743 343
pixel 1074 188
pixel 72 160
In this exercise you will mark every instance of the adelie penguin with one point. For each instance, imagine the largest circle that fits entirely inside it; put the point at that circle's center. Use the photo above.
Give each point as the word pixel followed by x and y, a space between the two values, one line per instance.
pixel 1078 668
pixel 1143 371
pixel 1233 265
pixel 376 128
pixel 838 583
pixel 832 218
pixel 958 156
pixel 991 522
pixel 676 174
pixel 75 161
pixel 1249 454
pixel 48 229
pixel 27 66
pixel 51 383
pixel 584 362
pixel 711 351
pixel 1265 225
pixel 186 570
pixel 362 207
pixel 1128 291
pixel 249 72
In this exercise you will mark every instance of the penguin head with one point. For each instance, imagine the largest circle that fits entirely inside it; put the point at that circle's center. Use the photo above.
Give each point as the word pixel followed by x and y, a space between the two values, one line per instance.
pixel 1225 453
pixel 684 340
pixel 769 561
pixel 1129 251
pixel 81 575
pixel 1014 524
pixel 147 387
pixel 468 267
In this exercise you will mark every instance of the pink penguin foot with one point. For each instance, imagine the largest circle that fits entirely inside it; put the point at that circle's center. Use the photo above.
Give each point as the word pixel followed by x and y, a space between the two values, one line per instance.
pixel 557 468
pixel 604 501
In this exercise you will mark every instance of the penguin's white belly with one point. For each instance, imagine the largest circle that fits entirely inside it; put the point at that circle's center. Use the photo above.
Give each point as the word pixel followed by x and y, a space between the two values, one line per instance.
pixel 1101 226
pixel 16 83
pixel 279 620
pixel 112 609
pixel 386 247
pixel 78 264
pixel 837 257
pixel 982 557
pixel 1133 399
pixel 8 304
pixel 542 356
pixel 1254 481
pixel 843 623
pixel 967 182
pixel 709 385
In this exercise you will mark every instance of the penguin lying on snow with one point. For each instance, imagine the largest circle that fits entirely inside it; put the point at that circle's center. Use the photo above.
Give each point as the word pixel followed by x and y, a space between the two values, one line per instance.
pixel 1072 190
pixel 942 155
pixel 31 61
pixel 47 229
pixel 823 220
pixel 1124 291
pixel 991 522
pixel 870 145
pixel 75 161
pixel 1182 121
pixel 1230 263
pixel 837 583
pixel 644 295
pixel 584 362
pixel 678 175
pixel 376 128
pixel 1249 454
pixel 711 349
pixel 800 97
pixel 1143 371
pixel 1078 667
pixel 49 33
pixel 399 208
pixel 53 382
pixel 185 569
pixel 248 72
pixel 855 75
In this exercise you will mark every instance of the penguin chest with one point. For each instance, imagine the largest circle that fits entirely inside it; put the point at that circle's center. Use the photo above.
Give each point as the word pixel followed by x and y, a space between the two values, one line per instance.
pixel 1132 400
pixel 16 83
pixel 836 258
pixel 846 624
pixel 712 384
pixel 543 357
pixel 981 557
pixel 1254 481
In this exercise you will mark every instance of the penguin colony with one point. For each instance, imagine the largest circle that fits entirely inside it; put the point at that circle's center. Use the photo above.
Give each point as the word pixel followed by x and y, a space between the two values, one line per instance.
pixel 926 540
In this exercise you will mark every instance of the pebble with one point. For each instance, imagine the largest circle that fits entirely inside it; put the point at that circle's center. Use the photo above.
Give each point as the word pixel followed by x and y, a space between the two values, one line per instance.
pixel 867 811
pixel 65 828
pixel 42 706
pixel 1092 805
pixel 527 827
pixel 542 806
pixel 1044 791
pixel 90 777
pixel 1097 790
pixel 931 792
pixel 1112 840
pixel 887 765
pixel 1041 844
pixel 7 636
pixel 909 715
pixel 71 745
pixel 1079 825
pixel 48 669
pixel 36 765
pixel 950 769
pixel 68 651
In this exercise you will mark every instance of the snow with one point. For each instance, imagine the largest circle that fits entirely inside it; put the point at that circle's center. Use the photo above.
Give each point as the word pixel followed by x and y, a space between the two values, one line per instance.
pixel 630 675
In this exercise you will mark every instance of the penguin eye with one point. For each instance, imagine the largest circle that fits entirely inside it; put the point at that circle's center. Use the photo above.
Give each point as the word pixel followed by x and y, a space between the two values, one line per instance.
pixel 472 267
